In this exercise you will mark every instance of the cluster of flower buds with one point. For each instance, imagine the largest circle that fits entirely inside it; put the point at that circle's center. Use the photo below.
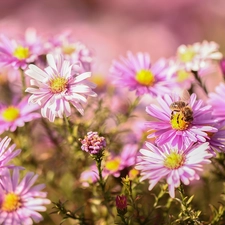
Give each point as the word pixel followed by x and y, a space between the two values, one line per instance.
pixel 92 143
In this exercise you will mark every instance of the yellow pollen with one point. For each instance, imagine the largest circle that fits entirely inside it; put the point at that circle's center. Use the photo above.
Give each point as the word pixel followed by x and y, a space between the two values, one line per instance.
pixel 11 202
pixel 178 123
pixel 188 55
pixel 174 160
pixel 58 85
pixel 68 49
pixel 21 52
pixel 10 114
pixel 113 165
pixel 145 77
pixel 182 75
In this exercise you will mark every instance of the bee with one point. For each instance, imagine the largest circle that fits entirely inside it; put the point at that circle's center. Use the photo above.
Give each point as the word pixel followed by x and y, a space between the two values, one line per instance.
pixel 183 110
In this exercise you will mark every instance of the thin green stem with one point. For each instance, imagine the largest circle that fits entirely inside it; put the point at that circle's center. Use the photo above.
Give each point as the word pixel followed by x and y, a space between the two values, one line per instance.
pixel 23 81
pixel 197 78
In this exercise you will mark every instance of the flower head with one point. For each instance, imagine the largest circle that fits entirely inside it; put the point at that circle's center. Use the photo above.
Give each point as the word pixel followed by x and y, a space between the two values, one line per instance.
pixel 217 101
pixel 7 153
pixel 197 56
pixel 137 73
pixel 174 164
pixel 180 126
pixel 73 51
pixel 93 143
pixel 56 88
pixel 20 201
pixel 17 53
pixel 15 115
pixel 114 164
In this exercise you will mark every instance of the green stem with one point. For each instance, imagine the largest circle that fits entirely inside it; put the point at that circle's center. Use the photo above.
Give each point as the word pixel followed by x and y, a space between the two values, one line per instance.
pixel 123 220
pixel 23 81
pixel 100 181
pixel 197 78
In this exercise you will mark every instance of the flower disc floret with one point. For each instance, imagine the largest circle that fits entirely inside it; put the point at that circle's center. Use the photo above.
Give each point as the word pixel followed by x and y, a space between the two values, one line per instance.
pixel 145 77
pixel 21 52
pixel 58 84
pixel 10 114
pixel 11 202
pixel 174 160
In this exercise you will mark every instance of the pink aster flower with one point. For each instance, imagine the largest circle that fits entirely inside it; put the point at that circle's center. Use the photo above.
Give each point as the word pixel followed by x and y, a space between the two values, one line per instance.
pixel 7 153
pixel 15 115
pixel 56 88
pixel 174 164
pixel 137 73
pixel 217 140
pixel 20 202
pixel 72 51
pixel 197 56
pixel 127 158
pixel 217 101
pixel 172 126
pixel 17 53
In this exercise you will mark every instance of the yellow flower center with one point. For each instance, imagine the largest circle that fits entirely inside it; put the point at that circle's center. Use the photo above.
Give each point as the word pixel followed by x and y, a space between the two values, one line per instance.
pixel 177 121
pixel 145 77
pixel 113 165
pixel 182 75
pixel 188 55
pixel 68 49
pixel 11 202
pixel 58 84
pixel 174 160
pixel 133 173
pixel 10 114
pixel 21 52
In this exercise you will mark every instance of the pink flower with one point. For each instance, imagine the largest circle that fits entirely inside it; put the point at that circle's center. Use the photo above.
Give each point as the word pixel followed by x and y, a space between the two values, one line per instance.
pixel 174 164
pixel 93 143
pixel 127 158
pixel 171 126
pixel 15 115
pixel 137 73
pixel 17 53
pixel 19 201
pixel 72 51
pixel 197 56
pixel 56 88
pixel 217 101
pixel 7 153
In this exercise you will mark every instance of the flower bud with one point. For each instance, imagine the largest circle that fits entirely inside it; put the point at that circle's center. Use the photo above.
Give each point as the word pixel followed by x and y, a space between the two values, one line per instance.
pixel 121 204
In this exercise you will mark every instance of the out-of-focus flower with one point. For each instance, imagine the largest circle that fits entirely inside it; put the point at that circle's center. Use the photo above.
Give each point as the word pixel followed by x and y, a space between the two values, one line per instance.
pixel 15 115
pixel 217 140
pixel 56 88
pixel 222 66
pixel 127 158
pixel 17 53
pixel 217 101
pixel 172 126
pixel 93 143
pixel 73 51
pixel 173 163
pixel 137 73
pixel 6 154
pixel 197 56
pixel 20 201
pixel 121 204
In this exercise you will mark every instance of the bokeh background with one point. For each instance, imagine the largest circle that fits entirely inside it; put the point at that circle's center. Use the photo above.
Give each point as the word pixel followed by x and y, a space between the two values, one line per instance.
pixel 111 28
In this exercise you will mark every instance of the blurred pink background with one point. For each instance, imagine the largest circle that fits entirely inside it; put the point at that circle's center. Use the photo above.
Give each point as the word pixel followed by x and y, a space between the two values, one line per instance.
pixel 111 28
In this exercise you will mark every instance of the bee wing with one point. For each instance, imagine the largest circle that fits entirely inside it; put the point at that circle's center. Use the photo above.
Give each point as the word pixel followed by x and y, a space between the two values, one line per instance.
pixel 185 96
